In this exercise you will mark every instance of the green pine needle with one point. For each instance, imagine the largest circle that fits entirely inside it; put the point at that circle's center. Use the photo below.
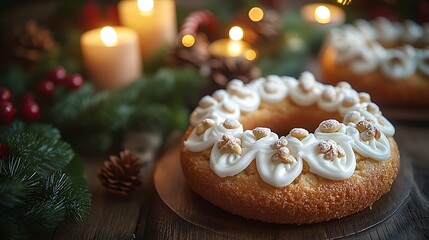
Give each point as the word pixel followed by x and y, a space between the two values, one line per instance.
pixel 38 186
pixel 49 154
pixel 17 182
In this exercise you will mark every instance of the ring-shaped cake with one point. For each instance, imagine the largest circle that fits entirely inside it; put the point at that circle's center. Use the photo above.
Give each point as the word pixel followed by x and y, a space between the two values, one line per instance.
pixel 390 60
pixel 233 157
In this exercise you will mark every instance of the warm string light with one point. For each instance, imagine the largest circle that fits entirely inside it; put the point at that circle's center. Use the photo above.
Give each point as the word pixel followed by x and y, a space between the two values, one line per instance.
pixel 188 40
pixel 322 14
pixel 108 36
pixel 344 2
pixel 250 55
pixel 256 14
pixel 145 6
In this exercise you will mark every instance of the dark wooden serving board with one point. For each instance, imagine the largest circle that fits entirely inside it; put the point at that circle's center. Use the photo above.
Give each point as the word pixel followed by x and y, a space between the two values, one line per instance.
pixel 172 189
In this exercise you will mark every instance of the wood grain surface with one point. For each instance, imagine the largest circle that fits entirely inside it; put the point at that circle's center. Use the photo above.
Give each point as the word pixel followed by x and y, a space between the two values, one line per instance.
pixel 145 215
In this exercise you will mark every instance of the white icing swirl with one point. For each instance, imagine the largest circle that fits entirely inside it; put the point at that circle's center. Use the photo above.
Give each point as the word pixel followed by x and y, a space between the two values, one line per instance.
pixel 399 63
pixel 307 91
pixel 412 31
pixel 339 168
pixel 358 45
pixel 198 143
pixel 346 139
pixel 365 61
pixel 381 122
pixel 366 29
pixel 273 89
pixel 251 100
pixel 375 149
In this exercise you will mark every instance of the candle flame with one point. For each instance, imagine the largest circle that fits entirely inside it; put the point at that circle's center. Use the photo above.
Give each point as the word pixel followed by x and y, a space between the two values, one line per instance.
pixel 145 6
pixel 108 36
pixel 236 33
pixel 322 14
pixel 188 40
pixel 256 14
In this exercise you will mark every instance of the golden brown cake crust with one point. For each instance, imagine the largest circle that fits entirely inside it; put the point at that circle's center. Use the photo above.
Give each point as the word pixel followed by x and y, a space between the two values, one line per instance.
pixel 310 198
pixel 411 92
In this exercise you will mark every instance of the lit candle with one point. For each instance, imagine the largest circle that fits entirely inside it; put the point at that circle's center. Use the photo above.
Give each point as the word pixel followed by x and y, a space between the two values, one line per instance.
pixel 324 14
pixel 111 56
pixel 154 21
pixel 232 47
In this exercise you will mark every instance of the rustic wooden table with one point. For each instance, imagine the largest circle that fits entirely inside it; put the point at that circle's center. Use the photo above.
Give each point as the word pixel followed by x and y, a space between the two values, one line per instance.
pixel 146 216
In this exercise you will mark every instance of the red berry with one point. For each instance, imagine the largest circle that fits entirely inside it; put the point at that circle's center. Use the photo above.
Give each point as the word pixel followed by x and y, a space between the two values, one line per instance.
pixel 7 112
pixel 58 74
pixel 74 81
pixel 30 110
pixel 46 88
pixel 4 149
pixel 5 94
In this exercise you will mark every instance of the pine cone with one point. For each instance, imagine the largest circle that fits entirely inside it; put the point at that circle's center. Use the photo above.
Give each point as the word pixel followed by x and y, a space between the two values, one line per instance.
pixel 30 42
pixel 194 56
pixel 120 175
pixel 270 26
pixel 222 70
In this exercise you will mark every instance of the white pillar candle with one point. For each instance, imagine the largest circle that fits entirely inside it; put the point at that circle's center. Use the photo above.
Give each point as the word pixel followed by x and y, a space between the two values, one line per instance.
pixel 154 21
pixel 111 56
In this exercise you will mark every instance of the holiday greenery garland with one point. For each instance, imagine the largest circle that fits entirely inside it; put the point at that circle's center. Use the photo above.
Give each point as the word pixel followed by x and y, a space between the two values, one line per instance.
pixel 156 102
pixel 153 103
pixel 41 181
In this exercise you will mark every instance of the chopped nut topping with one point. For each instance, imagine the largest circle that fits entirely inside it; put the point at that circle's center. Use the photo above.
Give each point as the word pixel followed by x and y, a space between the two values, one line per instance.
pixel 282 142
pixel 350 101
pixel 352 116
pixel 235 83
pixel 363 125
pixel 299 133
pixel 204 125
pixel 235 87
pixel 261 132
pixel 219 95
pixel 377 134
pixel 345 85
pixel 331 150
pixel 230 123
pixel 230 144
pixel 364 97
pixel 368 130
pixel 306 82
pixel 329 126
pixel 329 94
pixel 206 102
pixel 373 108
pixel 228 107
pixel 270 87
pixel 282 155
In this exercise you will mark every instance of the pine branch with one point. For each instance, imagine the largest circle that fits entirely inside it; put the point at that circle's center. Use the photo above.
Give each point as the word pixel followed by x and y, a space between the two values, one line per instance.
pixel 48 154
pixel 76 209
pixel 17 181
pixel 36 192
